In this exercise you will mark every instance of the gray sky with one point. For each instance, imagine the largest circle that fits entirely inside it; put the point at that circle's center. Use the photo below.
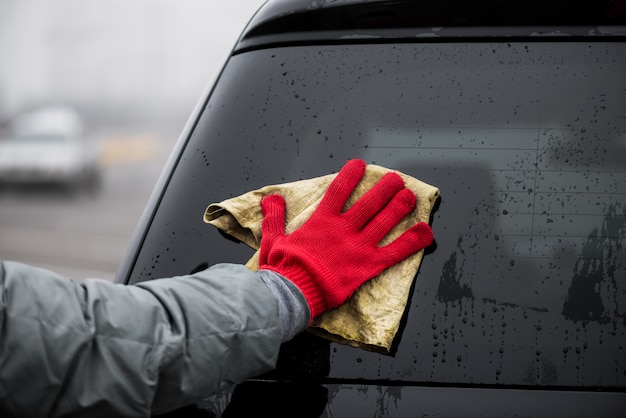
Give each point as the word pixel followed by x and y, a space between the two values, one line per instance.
pixel 108 56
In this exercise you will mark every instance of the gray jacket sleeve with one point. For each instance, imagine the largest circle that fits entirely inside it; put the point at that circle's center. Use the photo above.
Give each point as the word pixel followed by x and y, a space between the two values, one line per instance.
pixel 104 349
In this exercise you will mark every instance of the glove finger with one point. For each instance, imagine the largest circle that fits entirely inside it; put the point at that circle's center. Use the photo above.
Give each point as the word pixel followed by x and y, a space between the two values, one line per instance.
pixel 342 186
pixel 375 200
pixel 415 239
pixel 402 204
pixel 273 225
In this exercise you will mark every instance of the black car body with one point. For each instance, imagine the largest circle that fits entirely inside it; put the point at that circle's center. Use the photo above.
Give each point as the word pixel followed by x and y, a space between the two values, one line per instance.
pixel 516 111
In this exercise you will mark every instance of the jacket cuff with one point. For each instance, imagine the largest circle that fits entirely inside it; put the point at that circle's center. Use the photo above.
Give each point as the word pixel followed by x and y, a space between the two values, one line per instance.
pixel 293 308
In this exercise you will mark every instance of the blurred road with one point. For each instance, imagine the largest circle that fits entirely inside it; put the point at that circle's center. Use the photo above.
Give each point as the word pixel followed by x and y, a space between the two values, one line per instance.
pixel 84 235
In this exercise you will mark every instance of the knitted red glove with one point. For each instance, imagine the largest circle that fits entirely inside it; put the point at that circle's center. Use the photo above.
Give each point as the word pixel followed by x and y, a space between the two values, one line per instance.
pixel 333 253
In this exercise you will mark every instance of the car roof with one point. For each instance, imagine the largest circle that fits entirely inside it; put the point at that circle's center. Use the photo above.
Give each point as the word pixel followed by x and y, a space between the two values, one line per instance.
pixel 280 21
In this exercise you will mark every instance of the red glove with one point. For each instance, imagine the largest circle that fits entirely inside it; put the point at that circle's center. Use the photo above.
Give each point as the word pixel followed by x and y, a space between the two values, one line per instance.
pixel 333 253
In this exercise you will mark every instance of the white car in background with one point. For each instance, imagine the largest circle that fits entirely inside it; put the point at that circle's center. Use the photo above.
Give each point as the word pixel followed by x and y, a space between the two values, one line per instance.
pixel 48 146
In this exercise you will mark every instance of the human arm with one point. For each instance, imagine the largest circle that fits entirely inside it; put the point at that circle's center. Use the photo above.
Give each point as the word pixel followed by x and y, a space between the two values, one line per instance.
pixel 101 349
pixel 111 350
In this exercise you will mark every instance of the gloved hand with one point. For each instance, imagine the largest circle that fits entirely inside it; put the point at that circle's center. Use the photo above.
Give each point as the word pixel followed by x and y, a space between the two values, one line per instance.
pixel 334 252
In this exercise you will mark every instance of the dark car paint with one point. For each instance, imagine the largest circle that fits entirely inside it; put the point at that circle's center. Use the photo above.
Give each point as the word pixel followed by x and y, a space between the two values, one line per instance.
pixel 470 345
pixel 309 400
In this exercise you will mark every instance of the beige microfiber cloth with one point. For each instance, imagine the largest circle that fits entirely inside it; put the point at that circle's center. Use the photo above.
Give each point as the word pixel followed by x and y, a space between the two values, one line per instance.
pixel 371 317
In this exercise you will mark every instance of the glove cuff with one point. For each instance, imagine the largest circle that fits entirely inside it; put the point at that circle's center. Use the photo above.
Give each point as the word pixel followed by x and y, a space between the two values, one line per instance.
pixel 313 294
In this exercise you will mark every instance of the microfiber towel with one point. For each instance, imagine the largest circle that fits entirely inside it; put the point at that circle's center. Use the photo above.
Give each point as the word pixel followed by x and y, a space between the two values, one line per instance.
pixel 371 318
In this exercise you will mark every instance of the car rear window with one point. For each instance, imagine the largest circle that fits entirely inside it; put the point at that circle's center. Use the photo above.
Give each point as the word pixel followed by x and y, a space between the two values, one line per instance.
pixel 527 143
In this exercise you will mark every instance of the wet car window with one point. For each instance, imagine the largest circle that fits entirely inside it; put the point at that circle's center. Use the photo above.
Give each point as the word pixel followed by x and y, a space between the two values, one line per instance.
pixel 527 143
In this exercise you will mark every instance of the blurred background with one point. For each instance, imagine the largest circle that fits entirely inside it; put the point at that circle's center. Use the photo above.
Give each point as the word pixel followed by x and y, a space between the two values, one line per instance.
pixel 93 96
